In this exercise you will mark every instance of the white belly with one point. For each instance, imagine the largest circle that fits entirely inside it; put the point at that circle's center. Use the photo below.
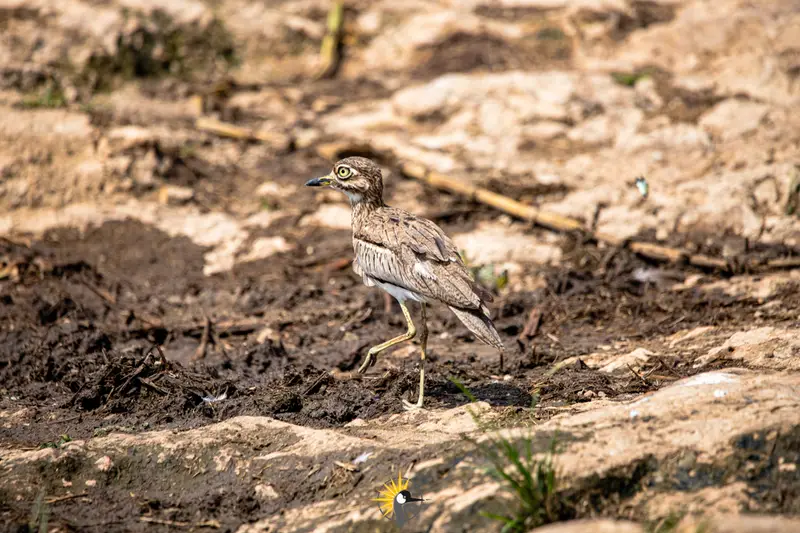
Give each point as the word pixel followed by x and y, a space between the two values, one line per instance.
pixel 400 293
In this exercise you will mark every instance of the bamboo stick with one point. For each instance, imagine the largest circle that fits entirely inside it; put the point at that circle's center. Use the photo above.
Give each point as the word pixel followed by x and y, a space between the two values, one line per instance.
pixel 507 205
pixel 556 221
pixel 280 141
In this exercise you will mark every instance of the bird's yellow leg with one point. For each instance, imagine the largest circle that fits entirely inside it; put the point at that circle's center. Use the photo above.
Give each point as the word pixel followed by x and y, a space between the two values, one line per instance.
pixel 412 331
pixel 423 340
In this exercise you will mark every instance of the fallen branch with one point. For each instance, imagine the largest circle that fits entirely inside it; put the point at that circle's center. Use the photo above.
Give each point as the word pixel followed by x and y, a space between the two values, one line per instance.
pixel 510 206
pixel 280 141
pixel 554 220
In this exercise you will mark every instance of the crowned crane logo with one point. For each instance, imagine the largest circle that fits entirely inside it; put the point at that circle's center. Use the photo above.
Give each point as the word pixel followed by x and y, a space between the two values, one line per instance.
pixel 397 503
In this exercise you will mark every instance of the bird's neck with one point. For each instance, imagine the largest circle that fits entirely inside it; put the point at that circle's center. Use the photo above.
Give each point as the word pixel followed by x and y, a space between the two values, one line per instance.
pixel 364 205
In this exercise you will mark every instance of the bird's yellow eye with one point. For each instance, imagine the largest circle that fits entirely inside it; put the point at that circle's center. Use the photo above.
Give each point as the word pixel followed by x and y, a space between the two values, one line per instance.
pixel 344 172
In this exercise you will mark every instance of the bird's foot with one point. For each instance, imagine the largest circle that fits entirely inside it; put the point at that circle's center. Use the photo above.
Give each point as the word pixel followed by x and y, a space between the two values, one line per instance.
pixel 368 362
pixel 408 406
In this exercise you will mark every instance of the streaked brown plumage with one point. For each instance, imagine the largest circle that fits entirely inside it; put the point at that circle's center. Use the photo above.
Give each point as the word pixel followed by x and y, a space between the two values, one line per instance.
pixel 409 257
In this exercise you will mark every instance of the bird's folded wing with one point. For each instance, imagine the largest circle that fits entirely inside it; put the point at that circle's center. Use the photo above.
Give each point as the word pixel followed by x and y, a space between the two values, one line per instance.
pixel 421 235
pixel 446 281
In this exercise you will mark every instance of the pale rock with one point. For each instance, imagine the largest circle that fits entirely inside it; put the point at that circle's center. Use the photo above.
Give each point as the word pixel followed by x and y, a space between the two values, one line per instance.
pixel 275 190
pixel 677 136
pixel 680 338
pixel 144 168
pixel 369 23
pixel 736 522
pixel 601 129
pixel 266 492
pixel 267 334
pixel 263 218
pixel 768 347
pixel 175 194
pixel 596 130
pixel 544 130
pixel 265 247
pixel 90 170
pixel 496 243
pixel 733 118
pixel 601 525
pixel 126 137
pixel 104 464
pixel 44 122
pixel 335 216
pixel 647 94
pixel 634 359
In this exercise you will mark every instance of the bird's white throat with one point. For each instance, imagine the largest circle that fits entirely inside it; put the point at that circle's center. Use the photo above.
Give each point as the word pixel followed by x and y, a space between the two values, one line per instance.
pixel 355 197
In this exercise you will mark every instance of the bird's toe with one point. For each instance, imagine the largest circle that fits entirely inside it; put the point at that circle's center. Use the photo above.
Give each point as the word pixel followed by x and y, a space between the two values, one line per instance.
pixel 408 406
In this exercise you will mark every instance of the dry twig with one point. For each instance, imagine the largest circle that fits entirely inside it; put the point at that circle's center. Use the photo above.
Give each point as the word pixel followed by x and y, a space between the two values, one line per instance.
pixel 224 129
pixel 208 523
pixel 532 325
pixel 510 206
pixel 346 466
pixel 200 353
pixel 57 499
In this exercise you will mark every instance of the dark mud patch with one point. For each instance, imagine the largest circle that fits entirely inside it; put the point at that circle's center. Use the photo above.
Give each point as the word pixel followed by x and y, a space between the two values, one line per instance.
pixel 156 47
pixel 679 104
pixel 547 47
pixel 83 314
pixel 643 14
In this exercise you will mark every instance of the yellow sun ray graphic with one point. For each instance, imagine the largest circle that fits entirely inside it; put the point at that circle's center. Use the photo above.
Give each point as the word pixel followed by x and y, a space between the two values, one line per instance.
pixel 387 495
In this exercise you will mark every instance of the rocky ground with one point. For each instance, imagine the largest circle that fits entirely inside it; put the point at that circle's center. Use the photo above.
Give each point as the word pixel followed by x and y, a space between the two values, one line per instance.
pixel 180 323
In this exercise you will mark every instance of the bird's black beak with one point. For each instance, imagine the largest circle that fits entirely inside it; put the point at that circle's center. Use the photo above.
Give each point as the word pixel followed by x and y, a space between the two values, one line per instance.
pixel 412 499
pixel 320 182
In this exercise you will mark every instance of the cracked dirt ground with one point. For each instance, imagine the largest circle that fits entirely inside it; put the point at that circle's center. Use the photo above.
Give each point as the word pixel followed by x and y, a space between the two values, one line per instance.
pixel 178 317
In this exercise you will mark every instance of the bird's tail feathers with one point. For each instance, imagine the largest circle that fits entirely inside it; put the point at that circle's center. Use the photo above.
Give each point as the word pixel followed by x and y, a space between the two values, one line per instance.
pixel 480 325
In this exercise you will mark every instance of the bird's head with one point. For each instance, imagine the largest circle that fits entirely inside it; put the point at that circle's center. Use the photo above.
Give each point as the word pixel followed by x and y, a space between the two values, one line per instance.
pixel 404 496
pixel 358 177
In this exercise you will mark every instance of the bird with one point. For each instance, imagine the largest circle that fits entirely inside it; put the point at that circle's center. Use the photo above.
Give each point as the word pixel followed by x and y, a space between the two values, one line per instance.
pixel 409 257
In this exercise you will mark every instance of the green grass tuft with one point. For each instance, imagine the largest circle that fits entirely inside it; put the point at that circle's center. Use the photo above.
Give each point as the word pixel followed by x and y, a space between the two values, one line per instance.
pixel 464 390
pixel 52 97
pixel 531 480
pixel 670 523
pixel 62 439
pixel 40 514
